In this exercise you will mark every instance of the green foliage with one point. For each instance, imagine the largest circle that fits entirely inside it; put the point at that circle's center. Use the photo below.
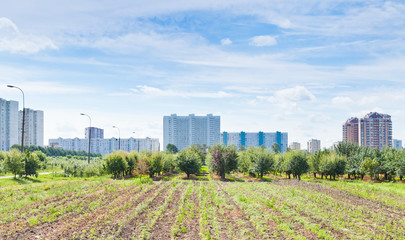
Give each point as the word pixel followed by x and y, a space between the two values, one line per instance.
pixel 200 150
pixel 370 166
pixel 245 160
pixel 116 164
pixel 223 159
pixel 296 163
pixel 275 148
pixel 346 149
pixel 2 157
pixel 189 161
pixel 50 151
pixel 171 148
pixel 155 163
pixel 132 159
pixel 31 164
pixel 332 165
pixel 80 168
pixel 169 162
pixel 12 162
pixel 262 161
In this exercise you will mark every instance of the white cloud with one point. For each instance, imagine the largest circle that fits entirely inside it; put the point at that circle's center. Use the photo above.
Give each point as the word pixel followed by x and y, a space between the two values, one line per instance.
pixel 261 41
pixel 156 92
pixel 289 96
pixel 12 40
pixel 342 101
pixel 226 41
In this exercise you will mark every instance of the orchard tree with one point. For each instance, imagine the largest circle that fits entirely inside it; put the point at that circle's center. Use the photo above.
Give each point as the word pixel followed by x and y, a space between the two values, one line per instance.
pixel 116 164
pixel 333 165
pixel 155 163
pixel 169 163
pixel 297 163
pixel 12 162
pixel 31 164
pixel 263 162
pixel 132 159
pixel 189 161
pixel 245 160
pixel 223 159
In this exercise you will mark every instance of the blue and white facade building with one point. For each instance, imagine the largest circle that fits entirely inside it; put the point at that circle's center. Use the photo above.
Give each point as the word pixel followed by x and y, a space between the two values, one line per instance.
pixel 255 139
pixel 184 131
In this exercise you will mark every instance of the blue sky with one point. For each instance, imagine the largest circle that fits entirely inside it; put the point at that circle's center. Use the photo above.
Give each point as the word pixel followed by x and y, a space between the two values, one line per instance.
pixel 303 67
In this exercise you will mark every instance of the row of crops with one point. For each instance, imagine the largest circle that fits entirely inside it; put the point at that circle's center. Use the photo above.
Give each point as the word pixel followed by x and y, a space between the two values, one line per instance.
pixel 177 209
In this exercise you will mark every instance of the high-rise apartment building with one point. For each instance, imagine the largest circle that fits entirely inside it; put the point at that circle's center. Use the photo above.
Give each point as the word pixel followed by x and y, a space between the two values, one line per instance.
pixel 294 146
pixel 184 131
pixel 8 124
pixel 95 132
pixel 255 139
pixel 351 131
pixel 33 127
pixel 397 144
pixel 374 130
pixel 314 146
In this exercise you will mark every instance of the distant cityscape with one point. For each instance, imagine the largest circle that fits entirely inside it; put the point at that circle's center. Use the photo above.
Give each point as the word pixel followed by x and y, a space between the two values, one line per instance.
pixel 373 130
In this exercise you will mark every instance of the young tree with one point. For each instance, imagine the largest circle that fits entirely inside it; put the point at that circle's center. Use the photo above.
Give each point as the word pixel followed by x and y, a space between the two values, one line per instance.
pixel 189 161
pixel 171 148
pixel 263 161
pixel 115 164
pixel 223 159
pixel 13 163
pixel 169 163
pixel 297 163
pixel 132 159
pixel 155 163
pixel 314 162
pixel 333 165
pixel 245 160
pixel 142 165
pixel 31 164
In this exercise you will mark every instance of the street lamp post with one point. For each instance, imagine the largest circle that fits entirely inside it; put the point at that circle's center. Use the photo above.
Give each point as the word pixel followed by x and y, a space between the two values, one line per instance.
pixel 89 134
pixel 119 138
pixel 137 142
pixel 23 118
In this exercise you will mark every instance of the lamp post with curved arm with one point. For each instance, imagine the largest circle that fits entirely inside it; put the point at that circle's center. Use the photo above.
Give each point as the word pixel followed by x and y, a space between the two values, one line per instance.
pixel 119 138
pixel 23 118
pixel 89 134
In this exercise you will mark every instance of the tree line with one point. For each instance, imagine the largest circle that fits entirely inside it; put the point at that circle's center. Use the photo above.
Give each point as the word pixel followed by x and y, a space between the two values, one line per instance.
pixel 55 152
pixel 347 158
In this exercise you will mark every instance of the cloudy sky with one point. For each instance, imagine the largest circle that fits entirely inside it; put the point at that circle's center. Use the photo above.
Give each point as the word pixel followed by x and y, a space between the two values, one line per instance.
pixel 303 67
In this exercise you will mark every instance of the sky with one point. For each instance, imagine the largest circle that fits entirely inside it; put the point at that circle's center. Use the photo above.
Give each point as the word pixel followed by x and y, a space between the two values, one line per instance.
pixel 300 66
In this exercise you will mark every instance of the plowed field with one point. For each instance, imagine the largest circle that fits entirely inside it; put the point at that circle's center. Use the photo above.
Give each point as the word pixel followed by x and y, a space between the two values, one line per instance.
pixel 126 209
